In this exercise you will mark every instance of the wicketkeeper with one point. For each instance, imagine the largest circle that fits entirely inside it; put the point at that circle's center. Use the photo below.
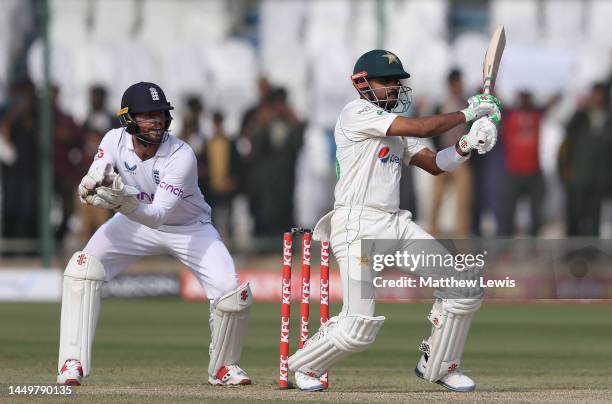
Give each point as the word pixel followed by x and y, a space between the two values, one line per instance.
pixel 373 140
pixel 149 177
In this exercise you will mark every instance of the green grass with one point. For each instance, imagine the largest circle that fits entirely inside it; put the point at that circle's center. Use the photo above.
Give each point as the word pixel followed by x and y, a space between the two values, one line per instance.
pixel 162 346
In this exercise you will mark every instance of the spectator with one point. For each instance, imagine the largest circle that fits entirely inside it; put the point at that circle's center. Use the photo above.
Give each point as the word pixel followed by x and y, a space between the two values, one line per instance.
pixel 521 142
pixel 276 139
pixel 97 122
pixel 19 129
pixel 585 164
pixel 99 119
pixel 461 178
pixel 221 180
pixel 248 119
pixel 193 130
pixel 68 146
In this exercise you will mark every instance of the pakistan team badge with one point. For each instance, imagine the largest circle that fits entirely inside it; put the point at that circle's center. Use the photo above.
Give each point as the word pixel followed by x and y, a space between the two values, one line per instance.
pixel 156 176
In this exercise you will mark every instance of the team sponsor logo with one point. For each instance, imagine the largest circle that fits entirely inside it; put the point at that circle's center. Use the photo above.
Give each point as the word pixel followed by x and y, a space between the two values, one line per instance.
pixel 325 254
pixel 156 176
pixel 286 291
pixel 385 155
pixel 244 295
pixel 100 154
pixel 305 290
pixel 306 252
pixel 154 94
pixel 324 292
pixel 284 367
pixel 128 167
pixel 287 253
pixel 304 329
pixel 284 330
pixel 173 189
pixel 145 197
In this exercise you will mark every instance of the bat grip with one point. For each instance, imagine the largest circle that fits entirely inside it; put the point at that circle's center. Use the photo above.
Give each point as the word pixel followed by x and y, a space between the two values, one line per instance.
pixel 486 88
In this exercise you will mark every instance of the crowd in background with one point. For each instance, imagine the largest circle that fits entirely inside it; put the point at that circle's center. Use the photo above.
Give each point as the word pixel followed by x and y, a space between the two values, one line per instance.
pixel 270 172
pixel 259 163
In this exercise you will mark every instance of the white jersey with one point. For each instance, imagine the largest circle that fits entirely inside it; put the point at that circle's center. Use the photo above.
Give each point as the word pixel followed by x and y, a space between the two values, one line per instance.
pixel 368 163
pixel 168 182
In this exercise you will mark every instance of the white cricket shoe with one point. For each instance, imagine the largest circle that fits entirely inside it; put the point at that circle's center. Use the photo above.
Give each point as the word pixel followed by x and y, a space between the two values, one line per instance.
pixel 71 373
pixel 454 381
pixel 306 382
pixel 230 375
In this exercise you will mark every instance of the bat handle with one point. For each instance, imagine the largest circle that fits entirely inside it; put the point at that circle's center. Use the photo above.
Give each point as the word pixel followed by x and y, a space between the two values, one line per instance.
pixel 486 88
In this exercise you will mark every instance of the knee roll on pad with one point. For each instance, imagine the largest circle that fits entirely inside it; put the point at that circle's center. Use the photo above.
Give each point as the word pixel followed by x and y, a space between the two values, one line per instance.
pixel 230 324
pixel 83 279
pixel 337 339
pixel 451 320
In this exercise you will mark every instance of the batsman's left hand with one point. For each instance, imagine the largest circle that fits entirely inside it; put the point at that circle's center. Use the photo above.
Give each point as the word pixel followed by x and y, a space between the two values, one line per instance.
pixel 482 137
pixel 481 105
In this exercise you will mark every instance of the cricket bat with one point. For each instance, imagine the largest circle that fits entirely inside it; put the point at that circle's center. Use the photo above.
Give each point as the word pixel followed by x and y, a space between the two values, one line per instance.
pixel 492 59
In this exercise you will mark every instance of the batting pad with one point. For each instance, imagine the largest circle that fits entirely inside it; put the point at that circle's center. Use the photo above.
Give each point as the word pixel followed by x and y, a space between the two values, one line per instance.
pixel 83 279
pixel 230 324
pixel 451 319
pixel 336 340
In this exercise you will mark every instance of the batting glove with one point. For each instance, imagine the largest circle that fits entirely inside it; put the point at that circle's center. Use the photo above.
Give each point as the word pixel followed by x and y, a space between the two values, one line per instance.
pixel 482 137
pixel 481 105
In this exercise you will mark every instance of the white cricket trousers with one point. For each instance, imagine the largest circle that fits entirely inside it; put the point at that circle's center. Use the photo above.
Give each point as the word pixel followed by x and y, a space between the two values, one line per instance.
pixel 121 241
pixel 348 227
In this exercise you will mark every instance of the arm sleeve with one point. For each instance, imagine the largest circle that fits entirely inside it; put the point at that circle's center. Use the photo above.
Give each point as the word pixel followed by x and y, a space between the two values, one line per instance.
pixel 178 182
pixel 412 146
pixel 367 120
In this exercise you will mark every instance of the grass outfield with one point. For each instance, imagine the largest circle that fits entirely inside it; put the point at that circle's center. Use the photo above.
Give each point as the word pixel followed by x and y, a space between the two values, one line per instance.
pixel 156 350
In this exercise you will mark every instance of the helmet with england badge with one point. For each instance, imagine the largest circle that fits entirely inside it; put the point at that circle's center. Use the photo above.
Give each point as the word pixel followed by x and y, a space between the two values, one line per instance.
pixel 144 97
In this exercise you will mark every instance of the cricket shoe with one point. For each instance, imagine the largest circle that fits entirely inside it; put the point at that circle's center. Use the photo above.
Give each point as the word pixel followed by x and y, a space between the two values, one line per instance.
pixel 71 373
pixel 306 382
pixel 454 380
pixel 230 375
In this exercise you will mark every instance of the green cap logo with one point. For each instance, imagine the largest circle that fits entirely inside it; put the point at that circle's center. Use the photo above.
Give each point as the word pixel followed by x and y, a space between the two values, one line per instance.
pixel 391 57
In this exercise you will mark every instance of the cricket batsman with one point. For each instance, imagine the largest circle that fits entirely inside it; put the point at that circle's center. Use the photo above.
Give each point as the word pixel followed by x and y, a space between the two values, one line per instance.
pixel 149 178
pixel 373 140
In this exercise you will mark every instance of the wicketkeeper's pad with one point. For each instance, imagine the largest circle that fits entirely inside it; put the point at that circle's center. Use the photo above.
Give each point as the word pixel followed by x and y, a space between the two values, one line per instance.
pixel 83 279
pixel 230 324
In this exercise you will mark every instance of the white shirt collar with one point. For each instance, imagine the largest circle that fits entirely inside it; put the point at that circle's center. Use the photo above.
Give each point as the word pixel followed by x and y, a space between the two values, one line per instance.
pixel 163 149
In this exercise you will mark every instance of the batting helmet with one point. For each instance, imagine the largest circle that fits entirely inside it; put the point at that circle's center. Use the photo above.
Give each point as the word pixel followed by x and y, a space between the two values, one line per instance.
pixel 139 98
pixel 380 63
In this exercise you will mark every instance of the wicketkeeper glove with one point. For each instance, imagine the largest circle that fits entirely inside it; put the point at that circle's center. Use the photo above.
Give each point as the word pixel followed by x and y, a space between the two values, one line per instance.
pixel 101 176
pixel 481 105
pixel 482 137
pixel 118 197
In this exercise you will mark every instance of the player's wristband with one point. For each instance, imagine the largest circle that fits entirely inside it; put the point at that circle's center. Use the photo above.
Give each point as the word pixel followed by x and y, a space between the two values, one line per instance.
pixel 448 159
pixel 469 114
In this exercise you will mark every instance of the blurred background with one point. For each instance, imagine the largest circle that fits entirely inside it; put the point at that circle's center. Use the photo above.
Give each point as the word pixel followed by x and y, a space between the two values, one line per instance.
pixel 257 86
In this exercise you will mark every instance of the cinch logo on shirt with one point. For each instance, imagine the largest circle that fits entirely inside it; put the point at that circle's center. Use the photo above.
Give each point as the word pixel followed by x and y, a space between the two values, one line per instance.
pixel 385 155
pixel 145 198
pixel 171 188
